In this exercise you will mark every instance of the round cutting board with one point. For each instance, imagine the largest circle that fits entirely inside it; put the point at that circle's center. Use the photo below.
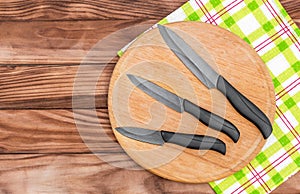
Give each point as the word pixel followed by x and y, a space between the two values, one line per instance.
pixel 150 58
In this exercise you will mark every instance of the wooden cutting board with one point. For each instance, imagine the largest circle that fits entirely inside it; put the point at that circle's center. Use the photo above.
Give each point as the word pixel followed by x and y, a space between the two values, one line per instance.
pixel 150 58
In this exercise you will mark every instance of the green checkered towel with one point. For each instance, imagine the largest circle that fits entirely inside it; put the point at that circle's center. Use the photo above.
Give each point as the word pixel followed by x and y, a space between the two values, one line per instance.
pixel 267 27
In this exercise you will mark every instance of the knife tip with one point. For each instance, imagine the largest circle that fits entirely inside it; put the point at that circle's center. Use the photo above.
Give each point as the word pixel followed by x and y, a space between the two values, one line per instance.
pixel 136 80
pixel 130 76
pixel 119 129
pixel 161 27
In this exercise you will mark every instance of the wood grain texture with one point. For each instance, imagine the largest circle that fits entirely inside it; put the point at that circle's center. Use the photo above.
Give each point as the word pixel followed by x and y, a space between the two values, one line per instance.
pixel 150 58
pixel 86 173
pixel 57 34
pixel 54 131
pixel 44 43
pixel 40 42
pixel 64 42
pixel 86 9
pixel 51 87
pixel 293 8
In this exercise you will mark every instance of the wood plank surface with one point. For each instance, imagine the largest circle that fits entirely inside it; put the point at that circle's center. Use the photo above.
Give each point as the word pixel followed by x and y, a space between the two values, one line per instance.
pixel 63 42
pixel 17 10
pixel 86 173
pixel 42 44
pixel 51 87
pixel 293 8
pixel 54 131
pixel 56 43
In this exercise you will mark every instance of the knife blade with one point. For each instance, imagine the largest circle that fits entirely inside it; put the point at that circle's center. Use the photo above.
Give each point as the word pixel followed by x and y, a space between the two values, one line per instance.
pixel 211 79
pixel 181 105
pixel 191 141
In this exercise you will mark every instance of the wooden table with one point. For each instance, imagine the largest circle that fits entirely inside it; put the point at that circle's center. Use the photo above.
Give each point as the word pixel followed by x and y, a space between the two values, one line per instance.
pixel 42 46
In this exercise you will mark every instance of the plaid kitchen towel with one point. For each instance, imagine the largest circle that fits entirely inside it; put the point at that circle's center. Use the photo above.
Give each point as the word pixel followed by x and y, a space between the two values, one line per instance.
pixel 267 27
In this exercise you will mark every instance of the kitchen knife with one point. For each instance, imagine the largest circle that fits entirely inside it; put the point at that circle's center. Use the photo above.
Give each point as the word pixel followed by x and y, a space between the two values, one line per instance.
pixel 211 79
pixel 183 105
pixel 191 141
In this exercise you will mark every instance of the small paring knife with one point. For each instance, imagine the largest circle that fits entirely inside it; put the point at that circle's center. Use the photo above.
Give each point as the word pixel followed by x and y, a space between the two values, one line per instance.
pixel 197 142
pixel 211 79
pixel 183 105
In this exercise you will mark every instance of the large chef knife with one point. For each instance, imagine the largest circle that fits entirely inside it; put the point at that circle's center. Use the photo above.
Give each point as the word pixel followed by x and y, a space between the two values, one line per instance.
pixel 211 79
pixel 191 141
pixel 183 105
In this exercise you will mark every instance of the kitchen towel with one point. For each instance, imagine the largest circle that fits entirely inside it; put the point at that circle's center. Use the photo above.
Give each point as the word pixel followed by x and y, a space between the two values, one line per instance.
pixel 266 26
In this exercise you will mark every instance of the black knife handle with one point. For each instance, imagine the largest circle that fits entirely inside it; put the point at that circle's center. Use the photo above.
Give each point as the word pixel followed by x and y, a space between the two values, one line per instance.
pixel 245 107
pixel 212 120
pixel 198 142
